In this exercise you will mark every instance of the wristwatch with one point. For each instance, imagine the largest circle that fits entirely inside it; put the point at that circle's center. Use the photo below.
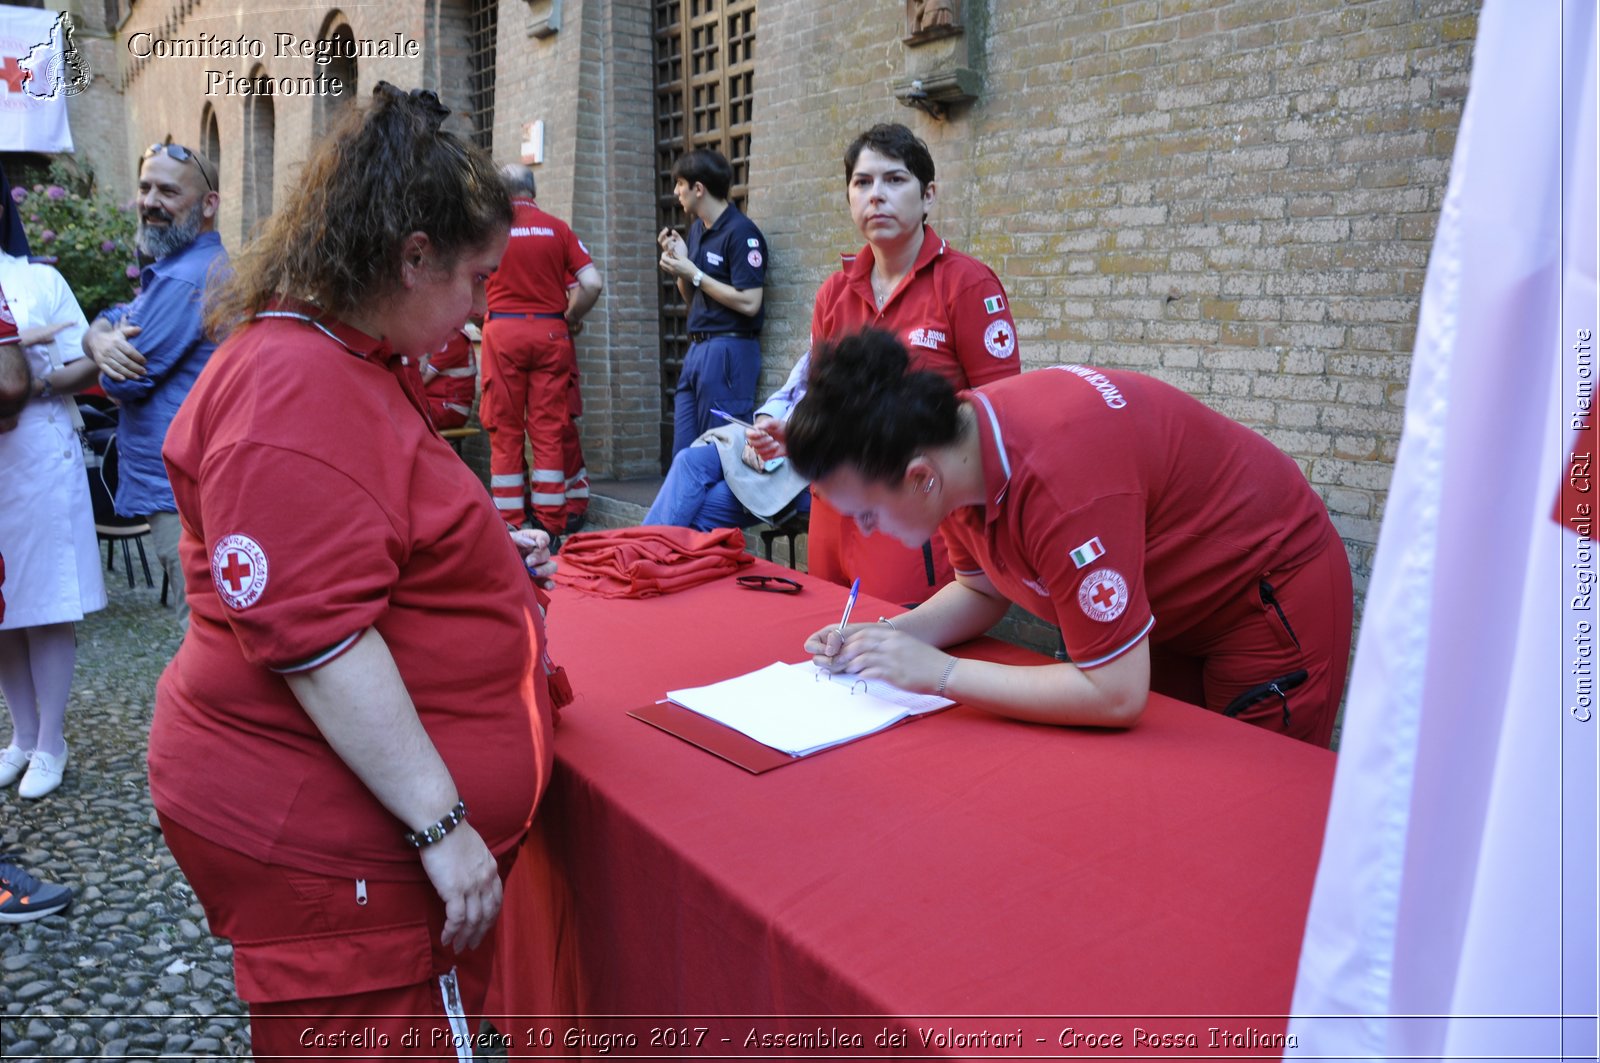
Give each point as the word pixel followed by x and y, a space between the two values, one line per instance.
pixel 698 277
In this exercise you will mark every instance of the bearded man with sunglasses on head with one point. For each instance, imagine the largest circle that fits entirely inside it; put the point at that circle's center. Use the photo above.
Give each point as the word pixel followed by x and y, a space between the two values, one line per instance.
pixel 151 351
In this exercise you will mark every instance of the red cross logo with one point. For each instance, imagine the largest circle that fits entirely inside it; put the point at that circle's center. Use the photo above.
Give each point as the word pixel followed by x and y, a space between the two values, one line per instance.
pixel 237 571
pixel 998 339
pixel 12 74
pixel 1103 595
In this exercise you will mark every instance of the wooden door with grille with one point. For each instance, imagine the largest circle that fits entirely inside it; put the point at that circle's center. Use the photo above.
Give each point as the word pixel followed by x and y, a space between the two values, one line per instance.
pixel 704 75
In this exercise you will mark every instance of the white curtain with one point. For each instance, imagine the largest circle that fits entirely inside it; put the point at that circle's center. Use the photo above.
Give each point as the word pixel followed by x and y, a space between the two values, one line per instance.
pixel 1454 909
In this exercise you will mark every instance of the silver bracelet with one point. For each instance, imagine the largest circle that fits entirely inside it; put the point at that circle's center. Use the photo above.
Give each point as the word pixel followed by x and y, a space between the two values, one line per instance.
pixel 944 680
pixel 886 620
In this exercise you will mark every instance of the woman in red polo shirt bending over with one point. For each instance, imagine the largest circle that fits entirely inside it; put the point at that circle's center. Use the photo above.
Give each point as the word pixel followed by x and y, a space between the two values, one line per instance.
pixel 1177 550
pixel 349 745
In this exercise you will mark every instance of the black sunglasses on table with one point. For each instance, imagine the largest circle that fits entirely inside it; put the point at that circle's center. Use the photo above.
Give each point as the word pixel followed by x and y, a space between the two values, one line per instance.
pixel 770 584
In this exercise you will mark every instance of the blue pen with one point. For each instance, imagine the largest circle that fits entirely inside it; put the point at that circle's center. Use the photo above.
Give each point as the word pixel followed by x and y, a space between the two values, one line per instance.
pixel 849 604
pixel 732 419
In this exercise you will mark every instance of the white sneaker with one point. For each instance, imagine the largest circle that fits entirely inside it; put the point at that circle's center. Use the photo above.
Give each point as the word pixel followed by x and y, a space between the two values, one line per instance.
pixel 44 774
pixel 13 762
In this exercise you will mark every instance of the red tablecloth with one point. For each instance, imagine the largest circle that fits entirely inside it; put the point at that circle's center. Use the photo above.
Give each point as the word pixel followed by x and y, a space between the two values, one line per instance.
pixel 961 865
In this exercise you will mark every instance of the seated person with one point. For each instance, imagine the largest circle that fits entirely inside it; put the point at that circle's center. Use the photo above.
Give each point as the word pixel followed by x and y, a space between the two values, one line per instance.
pixel 450 381
pixel 699 491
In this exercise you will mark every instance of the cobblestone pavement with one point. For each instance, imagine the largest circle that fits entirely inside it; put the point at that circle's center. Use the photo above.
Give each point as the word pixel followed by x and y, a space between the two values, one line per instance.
pixel 129 971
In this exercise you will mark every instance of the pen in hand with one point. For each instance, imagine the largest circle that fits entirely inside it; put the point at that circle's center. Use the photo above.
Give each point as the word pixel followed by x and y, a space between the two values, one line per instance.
pixel 849 604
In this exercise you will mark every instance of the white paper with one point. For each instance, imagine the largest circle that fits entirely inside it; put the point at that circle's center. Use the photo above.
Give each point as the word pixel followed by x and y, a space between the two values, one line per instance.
pixel 799 709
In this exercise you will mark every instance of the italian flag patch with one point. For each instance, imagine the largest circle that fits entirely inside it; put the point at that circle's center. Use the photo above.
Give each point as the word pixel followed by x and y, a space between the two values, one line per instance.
pixel 1087 552
pixel 994 304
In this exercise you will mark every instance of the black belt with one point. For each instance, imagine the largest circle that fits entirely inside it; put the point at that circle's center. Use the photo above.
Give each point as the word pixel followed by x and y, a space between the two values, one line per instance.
pixel 701 337
pixel 504 313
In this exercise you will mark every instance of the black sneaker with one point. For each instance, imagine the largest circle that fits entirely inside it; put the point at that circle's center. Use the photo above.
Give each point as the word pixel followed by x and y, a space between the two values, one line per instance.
pixel 24 898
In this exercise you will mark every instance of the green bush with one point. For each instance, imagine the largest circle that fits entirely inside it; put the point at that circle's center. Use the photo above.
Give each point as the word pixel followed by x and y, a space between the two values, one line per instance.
pixel 89 236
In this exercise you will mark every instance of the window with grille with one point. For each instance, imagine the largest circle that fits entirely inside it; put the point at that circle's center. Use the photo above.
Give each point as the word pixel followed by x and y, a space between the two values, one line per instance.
pixel 704 74
pixel 482 17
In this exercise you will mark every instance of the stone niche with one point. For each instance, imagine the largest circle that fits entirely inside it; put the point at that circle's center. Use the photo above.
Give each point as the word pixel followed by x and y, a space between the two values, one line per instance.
pixel 939 48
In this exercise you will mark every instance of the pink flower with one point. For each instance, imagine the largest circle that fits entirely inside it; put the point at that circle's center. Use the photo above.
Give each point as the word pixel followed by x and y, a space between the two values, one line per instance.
pixel 18 195
pixel 38 188
pixel 56 192
pixel 47 236
pixel 108 246
pixel 132 273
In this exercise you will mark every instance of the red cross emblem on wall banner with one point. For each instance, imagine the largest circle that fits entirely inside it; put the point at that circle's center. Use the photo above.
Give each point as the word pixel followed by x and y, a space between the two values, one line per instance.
pixel 1103 595
pixel 239 569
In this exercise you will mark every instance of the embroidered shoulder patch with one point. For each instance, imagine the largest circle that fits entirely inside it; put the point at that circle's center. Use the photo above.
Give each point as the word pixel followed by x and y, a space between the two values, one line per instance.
pixel 1103 595
pixel 239 569
pixel 1000 339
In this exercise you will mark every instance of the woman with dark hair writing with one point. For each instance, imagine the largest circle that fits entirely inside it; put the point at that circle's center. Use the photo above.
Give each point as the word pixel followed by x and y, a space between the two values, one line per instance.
pixel 350 743
pixel 1177 550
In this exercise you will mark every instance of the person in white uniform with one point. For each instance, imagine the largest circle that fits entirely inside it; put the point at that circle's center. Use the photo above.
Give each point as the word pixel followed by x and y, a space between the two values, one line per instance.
pixel 46 520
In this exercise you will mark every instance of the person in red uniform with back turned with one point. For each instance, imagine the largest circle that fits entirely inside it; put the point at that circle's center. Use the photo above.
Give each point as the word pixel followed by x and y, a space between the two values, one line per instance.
pixel 546 283
pixel 1177 550
pixel 349 745
pixel 949 310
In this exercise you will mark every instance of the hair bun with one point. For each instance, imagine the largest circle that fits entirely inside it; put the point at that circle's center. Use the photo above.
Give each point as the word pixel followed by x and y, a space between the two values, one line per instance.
pixel 424 103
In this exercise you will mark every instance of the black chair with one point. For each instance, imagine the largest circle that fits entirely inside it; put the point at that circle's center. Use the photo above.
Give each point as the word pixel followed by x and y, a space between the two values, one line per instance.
pixel 100 425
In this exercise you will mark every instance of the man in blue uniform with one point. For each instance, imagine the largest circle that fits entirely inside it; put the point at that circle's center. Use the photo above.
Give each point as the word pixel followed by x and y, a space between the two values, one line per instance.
pixel 720 271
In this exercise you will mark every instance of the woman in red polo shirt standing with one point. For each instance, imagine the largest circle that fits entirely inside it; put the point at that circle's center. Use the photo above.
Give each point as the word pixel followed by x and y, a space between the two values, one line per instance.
pixel 948 309
pixel 352 738
pixel 1177 550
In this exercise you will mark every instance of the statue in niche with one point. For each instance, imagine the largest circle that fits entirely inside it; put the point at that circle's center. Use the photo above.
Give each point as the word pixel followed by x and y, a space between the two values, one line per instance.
pixel 932 18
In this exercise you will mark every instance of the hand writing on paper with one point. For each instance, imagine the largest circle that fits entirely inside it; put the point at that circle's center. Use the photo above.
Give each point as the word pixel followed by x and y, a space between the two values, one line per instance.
pixel 878 651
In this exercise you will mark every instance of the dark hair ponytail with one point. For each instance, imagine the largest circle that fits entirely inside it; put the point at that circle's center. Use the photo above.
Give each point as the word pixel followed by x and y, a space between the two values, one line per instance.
pixel 863 409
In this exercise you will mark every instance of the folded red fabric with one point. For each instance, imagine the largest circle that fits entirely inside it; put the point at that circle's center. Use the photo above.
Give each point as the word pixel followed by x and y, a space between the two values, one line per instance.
pixel 647 561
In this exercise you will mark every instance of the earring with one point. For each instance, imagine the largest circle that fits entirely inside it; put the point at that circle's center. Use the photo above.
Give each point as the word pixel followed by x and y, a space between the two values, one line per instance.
pixel 928 487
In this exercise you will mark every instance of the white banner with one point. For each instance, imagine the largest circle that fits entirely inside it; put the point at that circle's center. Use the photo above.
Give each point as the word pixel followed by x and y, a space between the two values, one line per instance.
pixel 1454 910
pixel 34 80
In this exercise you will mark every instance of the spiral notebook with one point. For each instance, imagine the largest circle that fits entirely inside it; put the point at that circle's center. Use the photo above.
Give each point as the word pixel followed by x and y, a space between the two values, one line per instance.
pixel 798 709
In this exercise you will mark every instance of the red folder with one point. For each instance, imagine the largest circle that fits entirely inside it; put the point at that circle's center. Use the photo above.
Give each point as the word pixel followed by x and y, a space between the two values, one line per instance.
pixel 732 746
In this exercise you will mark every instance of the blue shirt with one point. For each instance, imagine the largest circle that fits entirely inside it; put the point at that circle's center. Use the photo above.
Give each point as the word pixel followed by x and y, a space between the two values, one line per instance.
pixel 734 252
pixel 175 346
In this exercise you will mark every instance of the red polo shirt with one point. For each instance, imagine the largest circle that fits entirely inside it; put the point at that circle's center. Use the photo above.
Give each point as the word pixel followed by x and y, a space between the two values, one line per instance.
pixel 317 501
pixel 954 318
pixel 951 313
pixel 1120 506
pixel 540 265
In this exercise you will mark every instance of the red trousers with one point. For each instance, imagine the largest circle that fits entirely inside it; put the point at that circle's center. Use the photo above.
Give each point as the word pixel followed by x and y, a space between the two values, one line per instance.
pixel 528 370
pixel 328 975
pixel 1298 620
pixel 837 550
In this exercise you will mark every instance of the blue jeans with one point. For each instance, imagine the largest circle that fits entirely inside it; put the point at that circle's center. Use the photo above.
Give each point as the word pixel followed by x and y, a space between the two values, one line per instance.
pixel 721 371
pixel 694 495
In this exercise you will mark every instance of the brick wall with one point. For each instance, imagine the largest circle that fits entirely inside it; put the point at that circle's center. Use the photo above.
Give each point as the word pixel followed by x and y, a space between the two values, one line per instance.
pixel 1237 196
